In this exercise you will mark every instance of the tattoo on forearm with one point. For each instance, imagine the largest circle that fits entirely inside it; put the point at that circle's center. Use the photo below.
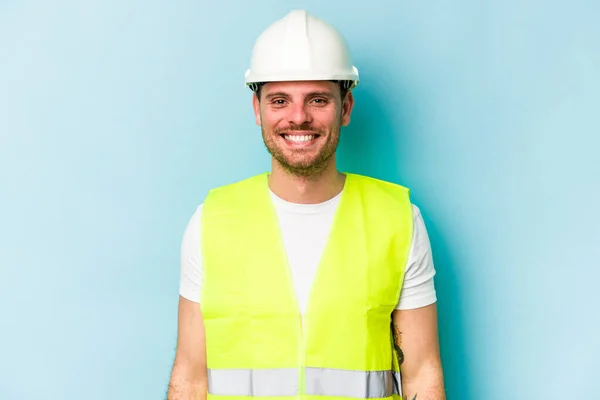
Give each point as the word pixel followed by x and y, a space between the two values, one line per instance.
pixel 405 397
pixel 397 343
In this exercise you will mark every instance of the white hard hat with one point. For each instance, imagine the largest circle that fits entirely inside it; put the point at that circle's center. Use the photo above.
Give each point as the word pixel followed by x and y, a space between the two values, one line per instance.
pixel 301 47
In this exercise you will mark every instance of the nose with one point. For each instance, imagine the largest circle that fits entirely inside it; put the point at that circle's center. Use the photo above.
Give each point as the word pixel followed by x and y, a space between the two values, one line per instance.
pixel 299 114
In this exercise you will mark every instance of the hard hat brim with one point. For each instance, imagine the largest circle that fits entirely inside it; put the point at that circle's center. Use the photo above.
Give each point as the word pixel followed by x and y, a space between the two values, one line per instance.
pixel 296 77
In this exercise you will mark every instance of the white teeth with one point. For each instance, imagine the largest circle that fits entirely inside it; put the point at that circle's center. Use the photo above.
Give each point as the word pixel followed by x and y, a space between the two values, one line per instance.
pixel 299 138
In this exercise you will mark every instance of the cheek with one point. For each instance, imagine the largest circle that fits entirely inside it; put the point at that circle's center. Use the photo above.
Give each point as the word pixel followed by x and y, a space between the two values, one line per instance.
pixel 270 120
pixel 327 116
pixel 329 121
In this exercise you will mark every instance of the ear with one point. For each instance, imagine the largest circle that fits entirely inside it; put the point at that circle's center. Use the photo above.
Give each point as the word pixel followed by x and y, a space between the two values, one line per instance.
pixel 256 107
pixel 347 107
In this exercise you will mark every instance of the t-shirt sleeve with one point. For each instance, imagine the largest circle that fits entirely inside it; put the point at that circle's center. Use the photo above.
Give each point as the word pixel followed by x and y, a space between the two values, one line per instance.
pixel 191 259
pixel 418 289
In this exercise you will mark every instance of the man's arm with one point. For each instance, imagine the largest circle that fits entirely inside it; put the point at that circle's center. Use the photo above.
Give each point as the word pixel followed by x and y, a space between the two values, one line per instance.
pixel 416 333
pixel 189 380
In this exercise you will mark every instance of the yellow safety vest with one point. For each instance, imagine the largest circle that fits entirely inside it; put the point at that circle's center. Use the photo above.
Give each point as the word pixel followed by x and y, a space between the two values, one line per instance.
pixel 258 344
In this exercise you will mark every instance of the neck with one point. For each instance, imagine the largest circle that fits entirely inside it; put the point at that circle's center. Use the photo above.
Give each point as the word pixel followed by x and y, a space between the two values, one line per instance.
pixel 306 190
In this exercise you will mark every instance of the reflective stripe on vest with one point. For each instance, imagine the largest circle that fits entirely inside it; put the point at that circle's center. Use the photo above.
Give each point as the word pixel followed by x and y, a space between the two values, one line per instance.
pixel 253 382
pixel 319 381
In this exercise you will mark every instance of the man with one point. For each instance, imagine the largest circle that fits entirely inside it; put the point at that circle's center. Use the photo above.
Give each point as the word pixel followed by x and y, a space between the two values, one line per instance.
pixel 306 281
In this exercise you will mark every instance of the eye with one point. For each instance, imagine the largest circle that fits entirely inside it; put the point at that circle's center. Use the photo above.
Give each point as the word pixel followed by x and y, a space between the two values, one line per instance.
pixel 278 102
pixel 319 101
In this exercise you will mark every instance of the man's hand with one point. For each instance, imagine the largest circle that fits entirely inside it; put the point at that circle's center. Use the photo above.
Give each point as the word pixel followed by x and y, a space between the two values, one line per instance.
pixel 189 379
pixel 416 334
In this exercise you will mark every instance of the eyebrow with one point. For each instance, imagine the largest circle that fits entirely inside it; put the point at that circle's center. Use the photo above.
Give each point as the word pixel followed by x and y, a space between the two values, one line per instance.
pixel 322 93
pixel 287 96
pixel 276 94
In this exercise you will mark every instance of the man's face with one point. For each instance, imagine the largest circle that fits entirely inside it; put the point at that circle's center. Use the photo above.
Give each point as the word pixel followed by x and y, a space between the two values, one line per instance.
pixel 301 123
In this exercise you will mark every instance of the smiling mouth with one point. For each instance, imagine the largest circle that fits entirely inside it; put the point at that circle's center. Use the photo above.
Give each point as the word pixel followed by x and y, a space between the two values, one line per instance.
pixel 299 138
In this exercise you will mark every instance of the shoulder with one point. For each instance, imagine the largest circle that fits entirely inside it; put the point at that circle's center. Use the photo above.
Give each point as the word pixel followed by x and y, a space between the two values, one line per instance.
pixel 380 184
pixel 236 194
pixel 416 212
pixel 239 185
pixel 192 230
pixel 387 195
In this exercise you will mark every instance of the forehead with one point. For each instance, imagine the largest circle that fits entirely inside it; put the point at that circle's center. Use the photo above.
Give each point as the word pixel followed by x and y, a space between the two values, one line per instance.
pixel 299 88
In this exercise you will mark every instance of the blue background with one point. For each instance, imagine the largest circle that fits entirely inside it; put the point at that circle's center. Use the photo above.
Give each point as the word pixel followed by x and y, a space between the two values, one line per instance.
pixel 116 117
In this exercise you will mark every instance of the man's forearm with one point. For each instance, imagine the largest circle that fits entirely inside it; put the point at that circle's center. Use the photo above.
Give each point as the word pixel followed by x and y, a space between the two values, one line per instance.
pixel 427 385
pixel 186 391
pixel 181 388
pixel 430 393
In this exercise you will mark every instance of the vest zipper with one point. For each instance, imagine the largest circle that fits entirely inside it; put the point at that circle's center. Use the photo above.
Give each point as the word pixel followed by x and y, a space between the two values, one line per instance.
pixel 302 322
pixel 304 326
pixel 301 336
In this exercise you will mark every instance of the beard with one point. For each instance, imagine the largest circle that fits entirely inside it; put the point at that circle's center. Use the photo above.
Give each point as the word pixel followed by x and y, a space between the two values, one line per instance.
pixel 294 161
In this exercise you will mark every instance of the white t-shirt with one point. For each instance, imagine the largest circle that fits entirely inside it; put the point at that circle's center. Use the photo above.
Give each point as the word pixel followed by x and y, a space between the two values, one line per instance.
pixel 305 228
